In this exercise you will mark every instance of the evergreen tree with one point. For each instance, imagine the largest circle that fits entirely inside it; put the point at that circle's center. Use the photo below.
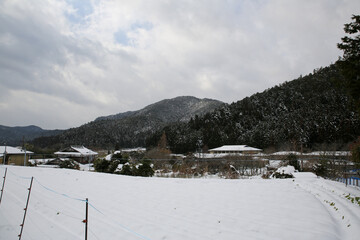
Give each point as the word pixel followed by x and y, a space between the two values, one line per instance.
pixel 350 62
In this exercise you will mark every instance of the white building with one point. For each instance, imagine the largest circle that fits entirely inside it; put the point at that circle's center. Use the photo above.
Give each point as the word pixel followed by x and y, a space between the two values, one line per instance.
pixel 235 149
pixel 78 153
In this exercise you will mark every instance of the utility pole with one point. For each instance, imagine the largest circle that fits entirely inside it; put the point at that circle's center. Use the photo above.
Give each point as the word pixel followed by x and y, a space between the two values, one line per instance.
pixel 4 155
pixel 24 148
pixel 345 175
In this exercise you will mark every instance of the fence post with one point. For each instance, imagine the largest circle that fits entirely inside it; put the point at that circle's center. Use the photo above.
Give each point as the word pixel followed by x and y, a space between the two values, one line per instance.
pixel 86 218
pixel 3 185
pixel 25 209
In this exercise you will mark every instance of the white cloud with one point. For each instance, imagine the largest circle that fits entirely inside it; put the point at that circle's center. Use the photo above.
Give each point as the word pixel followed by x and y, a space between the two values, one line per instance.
pixel 86 59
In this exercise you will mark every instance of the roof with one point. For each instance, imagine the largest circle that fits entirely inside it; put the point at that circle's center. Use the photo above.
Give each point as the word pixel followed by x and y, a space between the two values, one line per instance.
pixel 317 153
pixel 12 151
pixel 234 148
pixel 77 151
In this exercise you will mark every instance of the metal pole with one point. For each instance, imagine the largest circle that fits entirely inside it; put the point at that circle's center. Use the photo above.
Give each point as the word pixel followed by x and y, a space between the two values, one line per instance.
pixel 24 150
pixel 3 185
pixel 25 158
pixel 346 182
pixel 25 209
pixel 86 218
pixel 4 155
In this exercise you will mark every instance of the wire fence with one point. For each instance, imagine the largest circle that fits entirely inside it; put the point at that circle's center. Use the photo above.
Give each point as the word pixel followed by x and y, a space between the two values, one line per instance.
pixel 20 181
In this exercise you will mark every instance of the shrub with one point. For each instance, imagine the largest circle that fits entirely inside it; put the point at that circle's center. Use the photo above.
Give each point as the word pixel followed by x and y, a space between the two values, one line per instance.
pixel 101 165
pixel 293 161
pixel 282 175
pixel 144 169
pixel 126 170
pixel 70 164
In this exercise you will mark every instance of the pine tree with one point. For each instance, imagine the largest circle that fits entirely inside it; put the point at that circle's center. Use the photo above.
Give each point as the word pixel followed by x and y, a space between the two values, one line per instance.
pixel 350 62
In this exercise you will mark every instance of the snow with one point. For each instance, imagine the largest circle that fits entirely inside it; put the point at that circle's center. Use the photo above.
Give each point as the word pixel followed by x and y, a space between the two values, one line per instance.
pixel 286 170
pixel 329 153
pixel 317 153
pixel 286 153
pixel 12 150
pixel 234 148
pixel 123 207
pixel 78 151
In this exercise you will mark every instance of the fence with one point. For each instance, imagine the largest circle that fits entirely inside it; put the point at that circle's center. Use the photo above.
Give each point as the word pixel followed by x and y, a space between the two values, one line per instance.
pixel 349 181
pixel 17 194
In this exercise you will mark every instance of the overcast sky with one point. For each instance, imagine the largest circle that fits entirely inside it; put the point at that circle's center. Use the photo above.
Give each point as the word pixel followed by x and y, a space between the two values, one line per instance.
pixel 64 63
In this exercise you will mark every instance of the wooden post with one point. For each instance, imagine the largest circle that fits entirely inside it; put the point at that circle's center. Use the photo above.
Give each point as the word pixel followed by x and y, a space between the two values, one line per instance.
pixel 25 209
pixel 3 185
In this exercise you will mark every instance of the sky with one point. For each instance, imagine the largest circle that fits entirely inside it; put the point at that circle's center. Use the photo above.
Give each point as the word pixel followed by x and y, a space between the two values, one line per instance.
pixel 65 63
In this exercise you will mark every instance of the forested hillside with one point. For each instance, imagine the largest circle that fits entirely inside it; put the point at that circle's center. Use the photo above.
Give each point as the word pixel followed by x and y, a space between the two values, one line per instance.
pixel 16 135
pixel 130 129
pixel 309 112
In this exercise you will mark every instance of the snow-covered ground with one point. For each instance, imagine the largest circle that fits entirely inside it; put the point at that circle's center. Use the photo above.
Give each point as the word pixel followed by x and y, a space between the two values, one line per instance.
pixel 123 207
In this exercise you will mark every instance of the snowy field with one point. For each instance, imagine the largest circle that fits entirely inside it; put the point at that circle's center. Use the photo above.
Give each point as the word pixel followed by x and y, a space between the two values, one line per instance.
pixel 123 207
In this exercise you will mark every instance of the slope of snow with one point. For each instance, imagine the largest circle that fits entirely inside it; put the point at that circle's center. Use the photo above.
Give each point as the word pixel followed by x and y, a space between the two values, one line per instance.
pixel 123 207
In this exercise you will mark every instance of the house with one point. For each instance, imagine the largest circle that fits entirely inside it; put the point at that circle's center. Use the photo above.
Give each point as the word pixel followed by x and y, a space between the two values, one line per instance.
pixel 235 149
pixel 80 154
pixel 14 156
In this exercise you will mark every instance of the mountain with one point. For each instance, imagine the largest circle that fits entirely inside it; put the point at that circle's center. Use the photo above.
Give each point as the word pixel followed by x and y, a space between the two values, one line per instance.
pixel 130 129
pixel 171 110
pixel 311 112
pixel 14 135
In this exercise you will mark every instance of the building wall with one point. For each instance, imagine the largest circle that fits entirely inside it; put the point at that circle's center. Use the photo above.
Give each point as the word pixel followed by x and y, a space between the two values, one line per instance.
pixel 14 160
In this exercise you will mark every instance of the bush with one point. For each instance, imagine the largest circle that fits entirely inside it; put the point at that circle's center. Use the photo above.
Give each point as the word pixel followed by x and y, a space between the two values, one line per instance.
pixel 144 169
pixel 70 164
pixel 293 161
pixel 126 170
pixel 320 169
pixel 282 175
pixel 101 165
pixel 119 157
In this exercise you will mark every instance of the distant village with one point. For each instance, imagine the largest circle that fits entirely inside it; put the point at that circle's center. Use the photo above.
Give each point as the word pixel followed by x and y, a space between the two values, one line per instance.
pixel 10 155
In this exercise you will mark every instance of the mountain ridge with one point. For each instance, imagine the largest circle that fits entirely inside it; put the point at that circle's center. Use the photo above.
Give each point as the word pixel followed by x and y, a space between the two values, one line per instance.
pixel 130 129
pixel 312 112
pixel 15 135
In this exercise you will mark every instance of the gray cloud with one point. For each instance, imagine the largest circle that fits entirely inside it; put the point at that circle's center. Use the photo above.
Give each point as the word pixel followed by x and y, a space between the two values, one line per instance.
pixel 65 63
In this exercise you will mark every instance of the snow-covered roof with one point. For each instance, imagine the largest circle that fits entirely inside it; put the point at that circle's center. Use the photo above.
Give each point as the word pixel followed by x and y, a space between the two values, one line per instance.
pixel 329 153
pixel 139 149
pixel 78 151
pixel 210 155
pixel 12 150
pixel 286 153
pixel 234 148
pixel 223 155
pixel 317 153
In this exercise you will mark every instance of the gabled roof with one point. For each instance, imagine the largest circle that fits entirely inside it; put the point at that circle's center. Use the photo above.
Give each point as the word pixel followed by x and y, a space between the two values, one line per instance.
pixel 77 151
pixel 12 150
pixel 234 148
